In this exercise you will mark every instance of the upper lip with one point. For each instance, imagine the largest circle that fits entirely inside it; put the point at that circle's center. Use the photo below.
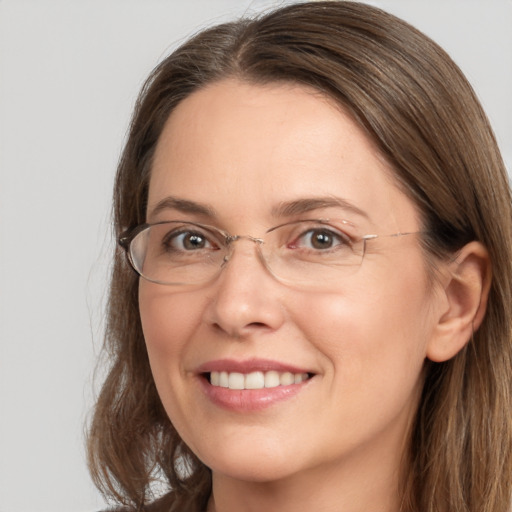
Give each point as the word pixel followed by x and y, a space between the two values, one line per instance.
pixel 248 366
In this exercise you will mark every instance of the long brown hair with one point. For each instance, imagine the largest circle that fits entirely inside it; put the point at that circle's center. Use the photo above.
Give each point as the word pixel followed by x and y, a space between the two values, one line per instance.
pixel 420 111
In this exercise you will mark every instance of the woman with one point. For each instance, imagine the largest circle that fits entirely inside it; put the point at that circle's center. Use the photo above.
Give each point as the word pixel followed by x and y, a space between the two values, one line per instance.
pixel 321 218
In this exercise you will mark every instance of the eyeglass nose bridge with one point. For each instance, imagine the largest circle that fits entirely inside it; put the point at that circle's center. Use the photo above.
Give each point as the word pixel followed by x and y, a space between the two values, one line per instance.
pixel 230 247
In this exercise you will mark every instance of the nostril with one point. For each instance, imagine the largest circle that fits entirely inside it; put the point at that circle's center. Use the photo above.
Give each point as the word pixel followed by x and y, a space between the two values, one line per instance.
pixel 257 325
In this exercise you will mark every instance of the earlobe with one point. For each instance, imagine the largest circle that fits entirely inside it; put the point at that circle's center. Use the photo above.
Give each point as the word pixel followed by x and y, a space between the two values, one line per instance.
pixel 465 293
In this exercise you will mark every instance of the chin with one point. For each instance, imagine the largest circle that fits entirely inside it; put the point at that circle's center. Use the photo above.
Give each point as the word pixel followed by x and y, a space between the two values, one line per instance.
pixel 256 465
pixel 253 471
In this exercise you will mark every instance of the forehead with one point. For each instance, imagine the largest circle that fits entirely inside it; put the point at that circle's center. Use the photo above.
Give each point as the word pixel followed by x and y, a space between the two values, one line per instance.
pixel 243 149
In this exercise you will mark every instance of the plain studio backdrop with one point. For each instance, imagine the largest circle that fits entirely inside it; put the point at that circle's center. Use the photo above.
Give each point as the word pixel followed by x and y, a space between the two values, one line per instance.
pixel 69 75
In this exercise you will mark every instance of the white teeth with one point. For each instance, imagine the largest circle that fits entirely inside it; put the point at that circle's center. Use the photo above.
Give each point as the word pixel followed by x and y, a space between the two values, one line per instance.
pixel 255 380
pixel 271 379
pixel 215 378
pixel 287 378
pixel 223 379
pixel 236 381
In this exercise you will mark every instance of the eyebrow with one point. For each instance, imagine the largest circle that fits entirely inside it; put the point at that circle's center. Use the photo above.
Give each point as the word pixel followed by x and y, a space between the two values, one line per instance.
pixel 283 209
pixel 184 206
pixel 300 206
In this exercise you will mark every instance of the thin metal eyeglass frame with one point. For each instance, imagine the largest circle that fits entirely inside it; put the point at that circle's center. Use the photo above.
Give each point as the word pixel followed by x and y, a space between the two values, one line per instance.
pixel 128 236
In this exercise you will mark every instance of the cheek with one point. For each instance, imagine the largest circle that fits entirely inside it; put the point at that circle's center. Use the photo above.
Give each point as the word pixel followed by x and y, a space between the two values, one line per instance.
pixel 374 333
pixel 168 322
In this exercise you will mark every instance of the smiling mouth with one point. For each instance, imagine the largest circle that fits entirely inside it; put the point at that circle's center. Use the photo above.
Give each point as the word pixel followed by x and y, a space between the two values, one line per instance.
pixel 255 380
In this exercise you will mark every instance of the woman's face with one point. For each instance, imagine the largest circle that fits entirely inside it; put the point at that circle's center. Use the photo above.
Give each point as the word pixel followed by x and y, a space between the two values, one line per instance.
pixel 245 158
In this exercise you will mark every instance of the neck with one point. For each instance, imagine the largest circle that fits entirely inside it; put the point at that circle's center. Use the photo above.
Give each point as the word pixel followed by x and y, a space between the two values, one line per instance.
pixel 354 486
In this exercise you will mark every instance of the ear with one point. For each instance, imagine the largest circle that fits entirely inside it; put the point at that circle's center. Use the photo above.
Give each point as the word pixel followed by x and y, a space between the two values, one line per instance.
pixel 465 292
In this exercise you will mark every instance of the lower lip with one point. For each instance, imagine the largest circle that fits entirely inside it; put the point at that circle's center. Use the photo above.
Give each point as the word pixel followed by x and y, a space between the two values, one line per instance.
pixel 245 400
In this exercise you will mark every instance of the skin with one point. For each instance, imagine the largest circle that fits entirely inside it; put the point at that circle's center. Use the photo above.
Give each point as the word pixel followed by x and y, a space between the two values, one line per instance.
pixel 337 445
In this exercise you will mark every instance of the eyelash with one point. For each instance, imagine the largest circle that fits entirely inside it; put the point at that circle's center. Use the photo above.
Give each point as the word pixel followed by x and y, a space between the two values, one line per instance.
pixel 299 241
pixel 169 240
pixel 335 237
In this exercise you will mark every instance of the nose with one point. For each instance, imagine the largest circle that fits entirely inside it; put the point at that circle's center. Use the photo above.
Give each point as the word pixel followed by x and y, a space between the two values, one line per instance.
pixel 246 298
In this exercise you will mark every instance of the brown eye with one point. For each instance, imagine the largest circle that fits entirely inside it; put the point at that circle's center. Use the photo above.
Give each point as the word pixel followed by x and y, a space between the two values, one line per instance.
pixel 321 239
pixel 187 241
pixel 193 241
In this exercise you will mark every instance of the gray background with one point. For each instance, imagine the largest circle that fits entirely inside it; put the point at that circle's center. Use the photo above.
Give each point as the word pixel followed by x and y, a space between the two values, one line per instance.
pixel 69 75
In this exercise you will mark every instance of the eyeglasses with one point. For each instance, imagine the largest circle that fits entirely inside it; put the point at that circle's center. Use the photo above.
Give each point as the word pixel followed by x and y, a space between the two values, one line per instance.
pixel 312 254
